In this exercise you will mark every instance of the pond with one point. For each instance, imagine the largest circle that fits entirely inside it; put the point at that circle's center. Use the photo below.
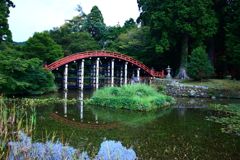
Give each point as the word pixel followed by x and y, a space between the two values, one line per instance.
pixel 177 132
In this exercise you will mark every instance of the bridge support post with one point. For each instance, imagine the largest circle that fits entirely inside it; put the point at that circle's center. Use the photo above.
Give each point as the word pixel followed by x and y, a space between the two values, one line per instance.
pixel 81 105
pixel 65 81
pixel 65 103
pixel 138 74
pixel 97 72
pixel 109 74
pixel 93 77
pixel 125 73
pixel 121 76
pixel 81 75
pixel 112 73
pixel 96 119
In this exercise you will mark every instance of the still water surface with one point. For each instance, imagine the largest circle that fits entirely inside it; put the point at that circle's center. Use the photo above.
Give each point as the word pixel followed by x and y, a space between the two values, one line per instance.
pixel 177 132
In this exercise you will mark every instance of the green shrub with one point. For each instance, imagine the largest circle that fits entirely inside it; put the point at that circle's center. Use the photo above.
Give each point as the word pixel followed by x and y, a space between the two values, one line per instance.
pixel 161 88
pixel 199 66
pixel 134 97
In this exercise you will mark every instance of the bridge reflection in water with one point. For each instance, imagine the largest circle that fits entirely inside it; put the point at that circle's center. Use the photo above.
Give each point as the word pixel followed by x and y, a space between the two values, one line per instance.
pixel 79 122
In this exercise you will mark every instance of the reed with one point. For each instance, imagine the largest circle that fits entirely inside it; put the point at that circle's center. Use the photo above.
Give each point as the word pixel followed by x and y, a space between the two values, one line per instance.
pixel 12 120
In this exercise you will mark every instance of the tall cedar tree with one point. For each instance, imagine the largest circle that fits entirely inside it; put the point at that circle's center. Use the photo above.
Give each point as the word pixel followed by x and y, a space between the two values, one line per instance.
pixel 95 25
pixel 77 22
pixel 232 12
pixel 5 33
pixel 174 19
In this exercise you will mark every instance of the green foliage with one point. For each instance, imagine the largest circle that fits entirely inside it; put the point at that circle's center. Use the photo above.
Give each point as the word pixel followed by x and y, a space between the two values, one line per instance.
pixel 95 25
pixel 5 33
pixel 161 88
pixel 231 120
pixel 199 66
pixel 43 47
pixel 73 42
pixel 175 23
pixel 169 19
pixel 23 76
pixel 129 24
pixel 232 12
pixel 134 97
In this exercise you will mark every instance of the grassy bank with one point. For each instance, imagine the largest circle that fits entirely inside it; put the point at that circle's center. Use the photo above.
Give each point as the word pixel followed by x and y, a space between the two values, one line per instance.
pixel 134 97
pixel 218 88
pixel 213 83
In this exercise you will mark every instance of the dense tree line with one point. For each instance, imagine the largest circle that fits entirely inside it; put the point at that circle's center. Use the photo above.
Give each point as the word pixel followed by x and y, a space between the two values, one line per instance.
pixel 180 26
pixel 197 38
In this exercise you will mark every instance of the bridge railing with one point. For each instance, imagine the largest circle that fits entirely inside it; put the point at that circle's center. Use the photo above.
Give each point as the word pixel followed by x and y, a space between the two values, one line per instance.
pixel 98 53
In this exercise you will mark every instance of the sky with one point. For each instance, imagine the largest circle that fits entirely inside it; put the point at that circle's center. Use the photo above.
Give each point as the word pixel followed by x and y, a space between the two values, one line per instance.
pixel 30 16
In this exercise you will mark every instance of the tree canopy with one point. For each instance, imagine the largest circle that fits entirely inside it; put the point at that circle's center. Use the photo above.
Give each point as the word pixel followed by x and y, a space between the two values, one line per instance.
pixel 23 76
pixel 232 31
pixel 43 47
pixel 95 25
pixel 5 33
pixel 179 20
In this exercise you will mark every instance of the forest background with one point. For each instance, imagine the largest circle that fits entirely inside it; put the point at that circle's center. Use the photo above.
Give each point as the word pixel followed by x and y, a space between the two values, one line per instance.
pixel 185 34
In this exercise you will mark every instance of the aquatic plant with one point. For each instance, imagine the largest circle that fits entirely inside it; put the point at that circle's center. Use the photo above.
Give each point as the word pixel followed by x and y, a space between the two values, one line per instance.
pixel 135 97
pixel 231 118
pixel 29 102
pixel 26 149
pixel 14 118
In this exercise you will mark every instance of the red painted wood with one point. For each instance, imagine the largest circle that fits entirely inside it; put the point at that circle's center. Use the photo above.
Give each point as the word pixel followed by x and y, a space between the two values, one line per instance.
pixel 83 125
pixel 88 54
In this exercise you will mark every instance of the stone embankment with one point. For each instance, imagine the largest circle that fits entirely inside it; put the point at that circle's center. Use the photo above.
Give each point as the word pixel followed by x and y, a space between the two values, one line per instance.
pixel 174 88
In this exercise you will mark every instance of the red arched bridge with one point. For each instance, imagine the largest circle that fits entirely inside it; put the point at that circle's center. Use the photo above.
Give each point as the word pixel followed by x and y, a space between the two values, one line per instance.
pixel 98 54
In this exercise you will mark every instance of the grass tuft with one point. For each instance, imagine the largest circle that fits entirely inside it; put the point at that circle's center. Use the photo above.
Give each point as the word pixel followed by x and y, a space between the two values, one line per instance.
pixel 135 97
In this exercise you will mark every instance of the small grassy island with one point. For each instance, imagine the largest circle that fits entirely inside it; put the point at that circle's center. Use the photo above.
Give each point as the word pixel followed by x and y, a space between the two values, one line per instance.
pixel 139 97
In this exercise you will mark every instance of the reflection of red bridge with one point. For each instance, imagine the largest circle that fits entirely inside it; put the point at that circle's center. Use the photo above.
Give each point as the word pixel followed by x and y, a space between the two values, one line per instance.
pixel 82 125
pixel 105 54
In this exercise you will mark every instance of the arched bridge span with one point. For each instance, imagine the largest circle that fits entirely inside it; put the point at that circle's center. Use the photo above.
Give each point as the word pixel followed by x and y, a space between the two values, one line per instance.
pixel 88 54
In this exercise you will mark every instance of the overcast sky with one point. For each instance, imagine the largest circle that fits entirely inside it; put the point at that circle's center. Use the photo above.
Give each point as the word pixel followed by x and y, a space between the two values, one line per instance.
pixel 31 16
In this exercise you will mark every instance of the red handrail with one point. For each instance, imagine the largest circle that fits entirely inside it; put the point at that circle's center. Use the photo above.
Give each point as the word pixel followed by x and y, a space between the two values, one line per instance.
pixel 87 54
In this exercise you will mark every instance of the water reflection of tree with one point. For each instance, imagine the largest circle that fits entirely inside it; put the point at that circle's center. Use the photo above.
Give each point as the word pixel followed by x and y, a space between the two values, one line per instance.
pixel 128 117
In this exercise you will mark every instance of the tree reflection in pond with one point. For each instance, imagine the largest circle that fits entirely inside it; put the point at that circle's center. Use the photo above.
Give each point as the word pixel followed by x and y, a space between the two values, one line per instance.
pixel 180 133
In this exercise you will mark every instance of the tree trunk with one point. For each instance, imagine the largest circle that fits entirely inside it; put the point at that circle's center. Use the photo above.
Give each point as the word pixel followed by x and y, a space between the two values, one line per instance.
pixel 211 51
pixel 182 74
